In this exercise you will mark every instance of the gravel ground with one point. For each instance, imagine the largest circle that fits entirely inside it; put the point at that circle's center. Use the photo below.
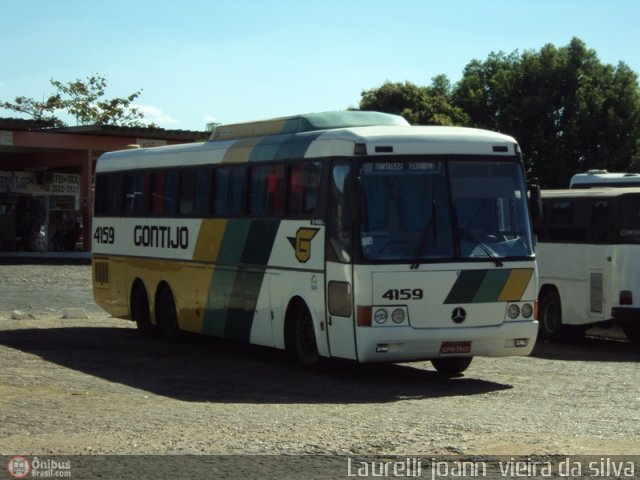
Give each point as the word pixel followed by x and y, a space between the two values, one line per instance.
pixel 77 386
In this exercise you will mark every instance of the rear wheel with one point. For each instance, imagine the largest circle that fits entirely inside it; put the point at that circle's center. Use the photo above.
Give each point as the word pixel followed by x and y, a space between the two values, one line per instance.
pixel 451 366
pixel 167 315
pixel 632 331
pixel 140 311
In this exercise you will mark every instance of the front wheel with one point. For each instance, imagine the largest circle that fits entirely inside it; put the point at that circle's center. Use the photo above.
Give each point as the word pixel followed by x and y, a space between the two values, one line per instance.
pixel 451 366
pixel 304 339
pixel 550 316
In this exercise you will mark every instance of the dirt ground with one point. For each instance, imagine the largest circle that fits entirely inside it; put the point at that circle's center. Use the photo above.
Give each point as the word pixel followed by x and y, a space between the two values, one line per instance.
pixel 93 386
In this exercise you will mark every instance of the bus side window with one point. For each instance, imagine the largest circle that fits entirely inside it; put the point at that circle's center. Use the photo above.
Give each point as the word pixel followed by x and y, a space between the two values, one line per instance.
pixel 599 222
pixel 229 191
pixel 135 193
pixel 266 190
pixel 338 222
pixel 303 184
pixel 194 192
pixel 164 192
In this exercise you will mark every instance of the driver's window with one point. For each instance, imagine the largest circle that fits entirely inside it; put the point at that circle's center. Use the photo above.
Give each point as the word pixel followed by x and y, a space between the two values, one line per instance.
pixel 338 222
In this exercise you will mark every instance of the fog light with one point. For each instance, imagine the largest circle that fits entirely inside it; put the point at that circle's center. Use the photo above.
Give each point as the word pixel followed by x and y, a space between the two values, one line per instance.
pixel 521 342
pixel 513 311
pixel 527 310
pixel 381 316
pixel 398 315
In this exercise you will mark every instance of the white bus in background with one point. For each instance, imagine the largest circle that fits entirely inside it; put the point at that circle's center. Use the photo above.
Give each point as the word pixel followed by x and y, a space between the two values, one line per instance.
pixel 603 178
pixel 343 234
pixel 588 252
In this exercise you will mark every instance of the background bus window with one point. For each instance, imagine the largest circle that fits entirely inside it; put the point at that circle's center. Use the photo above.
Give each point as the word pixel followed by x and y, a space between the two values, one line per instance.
pixel 266 190
pixel 629 229
pixel 599 224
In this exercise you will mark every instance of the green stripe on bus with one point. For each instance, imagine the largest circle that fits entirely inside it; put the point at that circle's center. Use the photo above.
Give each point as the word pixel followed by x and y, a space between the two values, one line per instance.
pixel 481 286
pixel 491 286
pixel 236 285
pixel 466 286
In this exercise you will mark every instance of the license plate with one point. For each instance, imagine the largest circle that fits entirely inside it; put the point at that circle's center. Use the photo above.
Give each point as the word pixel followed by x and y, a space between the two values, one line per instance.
pixel 454 348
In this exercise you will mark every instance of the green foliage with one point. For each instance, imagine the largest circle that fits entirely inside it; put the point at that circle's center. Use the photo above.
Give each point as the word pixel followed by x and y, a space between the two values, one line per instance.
pixel 84 100
pixel 569 111
pixel 418 105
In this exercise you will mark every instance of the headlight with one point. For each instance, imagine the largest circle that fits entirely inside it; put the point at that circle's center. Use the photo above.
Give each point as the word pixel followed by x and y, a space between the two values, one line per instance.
pixel 527 310
pixel 398 315
pixel 380 316
pixel 513 311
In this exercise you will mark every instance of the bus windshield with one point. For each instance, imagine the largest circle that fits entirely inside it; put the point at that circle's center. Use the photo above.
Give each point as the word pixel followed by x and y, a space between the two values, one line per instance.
pixel 431 209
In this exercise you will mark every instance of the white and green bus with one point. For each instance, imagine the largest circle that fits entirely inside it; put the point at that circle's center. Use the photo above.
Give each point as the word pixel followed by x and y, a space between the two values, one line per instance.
pixel 342 234
pixel 588 251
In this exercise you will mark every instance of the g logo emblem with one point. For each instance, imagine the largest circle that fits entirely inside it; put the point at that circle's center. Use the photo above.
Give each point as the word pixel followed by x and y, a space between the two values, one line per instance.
pixel 302 243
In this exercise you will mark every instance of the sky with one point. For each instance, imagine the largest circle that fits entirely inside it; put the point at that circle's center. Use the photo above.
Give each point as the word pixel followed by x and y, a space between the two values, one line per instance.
pixel 226 61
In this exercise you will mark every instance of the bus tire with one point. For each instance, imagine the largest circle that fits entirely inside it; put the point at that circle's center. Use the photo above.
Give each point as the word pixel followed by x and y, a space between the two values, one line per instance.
pixel 451 366
pixel 550 316
pixel 305 347
pixel 167 315
pixel 632 331
pixel 140 311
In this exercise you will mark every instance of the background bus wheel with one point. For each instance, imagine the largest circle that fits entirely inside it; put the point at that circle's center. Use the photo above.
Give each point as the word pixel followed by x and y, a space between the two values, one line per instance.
pixel 304 339
pixel 451 366
pixel 167 315
pixel 140 311
pixel 632 331
pixel 550 316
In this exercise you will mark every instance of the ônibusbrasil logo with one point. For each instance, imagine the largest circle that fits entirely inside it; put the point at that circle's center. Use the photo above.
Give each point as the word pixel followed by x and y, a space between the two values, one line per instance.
pixel 18 466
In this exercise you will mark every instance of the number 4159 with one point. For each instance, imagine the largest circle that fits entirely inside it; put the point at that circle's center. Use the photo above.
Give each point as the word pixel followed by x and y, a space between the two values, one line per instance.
pixel 105 235
pixel 403 294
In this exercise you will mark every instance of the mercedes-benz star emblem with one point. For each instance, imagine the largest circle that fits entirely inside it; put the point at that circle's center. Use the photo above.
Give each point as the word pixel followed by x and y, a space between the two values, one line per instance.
pixel 458 315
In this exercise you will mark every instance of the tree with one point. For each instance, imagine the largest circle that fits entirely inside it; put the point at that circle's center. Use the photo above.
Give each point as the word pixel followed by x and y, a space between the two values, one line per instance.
pixel 83 100
pixel 570 112
pixel 418 105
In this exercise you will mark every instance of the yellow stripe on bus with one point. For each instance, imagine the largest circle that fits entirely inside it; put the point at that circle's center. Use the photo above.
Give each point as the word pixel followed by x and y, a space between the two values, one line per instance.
pixel 516 284
pixel 209 240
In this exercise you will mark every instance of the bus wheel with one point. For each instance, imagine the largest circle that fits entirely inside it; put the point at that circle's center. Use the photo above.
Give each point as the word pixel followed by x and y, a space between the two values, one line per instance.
pixel 550 316
pixel 451 366
pixel 140 311
pixel 166 314
pixel 632 331
pixel 304 339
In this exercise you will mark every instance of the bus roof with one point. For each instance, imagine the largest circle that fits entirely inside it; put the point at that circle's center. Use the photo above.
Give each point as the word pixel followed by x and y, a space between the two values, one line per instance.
pixel 305 123
pixel 591 192
pixel 381 134
pixel 601 178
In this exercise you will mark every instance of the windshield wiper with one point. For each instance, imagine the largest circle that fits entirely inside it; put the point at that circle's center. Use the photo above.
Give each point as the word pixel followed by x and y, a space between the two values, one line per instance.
pixel 425 234
pixel 468 236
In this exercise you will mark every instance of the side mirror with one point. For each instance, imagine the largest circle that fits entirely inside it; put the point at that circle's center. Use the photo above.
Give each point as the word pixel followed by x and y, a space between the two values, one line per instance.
pixel 535 203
